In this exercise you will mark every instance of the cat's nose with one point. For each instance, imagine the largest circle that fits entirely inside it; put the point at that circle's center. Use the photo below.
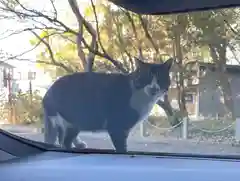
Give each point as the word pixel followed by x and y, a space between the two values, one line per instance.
pixel 154 90
pixel 165 91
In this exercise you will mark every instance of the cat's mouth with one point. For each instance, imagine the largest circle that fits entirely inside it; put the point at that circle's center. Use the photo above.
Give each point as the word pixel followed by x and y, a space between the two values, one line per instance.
pixel 154 91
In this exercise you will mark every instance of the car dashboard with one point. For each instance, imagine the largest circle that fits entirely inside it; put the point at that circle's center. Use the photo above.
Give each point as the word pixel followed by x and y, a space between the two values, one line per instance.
pixel 63 166
pixel 25 160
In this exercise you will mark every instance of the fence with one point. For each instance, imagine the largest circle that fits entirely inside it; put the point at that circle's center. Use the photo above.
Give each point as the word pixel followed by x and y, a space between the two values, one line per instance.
pixel 191 129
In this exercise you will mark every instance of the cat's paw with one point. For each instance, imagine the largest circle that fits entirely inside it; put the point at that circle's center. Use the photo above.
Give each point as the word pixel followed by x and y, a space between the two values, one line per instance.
pixel 80 145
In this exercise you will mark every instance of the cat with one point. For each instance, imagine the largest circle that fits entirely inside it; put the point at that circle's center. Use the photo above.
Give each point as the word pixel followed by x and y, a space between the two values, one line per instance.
pixel 91 101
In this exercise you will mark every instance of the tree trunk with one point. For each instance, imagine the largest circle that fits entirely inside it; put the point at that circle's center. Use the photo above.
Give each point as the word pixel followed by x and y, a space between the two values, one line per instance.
pixel 218 53
pixel 180 81
pixel 227 95
pixel 166 106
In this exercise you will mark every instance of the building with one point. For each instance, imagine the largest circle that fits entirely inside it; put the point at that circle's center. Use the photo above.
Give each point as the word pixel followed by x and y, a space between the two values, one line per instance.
pixel 204 99
pixel 30 77
pixel 6 70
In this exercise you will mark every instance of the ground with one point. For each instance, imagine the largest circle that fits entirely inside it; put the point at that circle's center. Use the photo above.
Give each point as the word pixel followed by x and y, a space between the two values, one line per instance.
pixel 138 143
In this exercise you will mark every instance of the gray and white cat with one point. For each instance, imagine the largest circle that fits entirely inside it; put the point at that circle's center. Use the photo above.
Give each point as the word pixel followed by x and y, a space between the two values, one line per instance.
pixel 114 103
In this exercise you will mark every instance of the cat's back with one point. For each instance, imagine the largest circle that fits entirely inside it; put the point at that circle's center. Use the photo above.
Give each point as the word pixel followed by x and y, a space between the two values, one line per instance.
pixel 87 83
pixel 88 79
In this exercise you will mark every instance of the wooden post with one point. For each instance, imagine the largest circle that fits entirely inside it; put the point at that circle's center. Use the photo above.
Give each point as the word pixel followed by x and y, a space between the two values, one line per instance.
pixel 237 130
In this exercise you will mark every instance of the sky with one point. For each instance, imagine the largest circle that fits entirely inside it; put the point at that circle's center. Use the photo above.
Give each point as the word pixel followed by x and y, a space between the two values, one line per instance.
pixel 17 44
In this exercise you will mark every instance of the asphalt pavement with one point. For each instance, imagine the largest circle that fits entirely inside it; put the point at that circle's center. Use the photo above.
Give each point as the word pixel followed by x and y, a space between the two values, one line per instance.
pixel 138 143
pixel 149 145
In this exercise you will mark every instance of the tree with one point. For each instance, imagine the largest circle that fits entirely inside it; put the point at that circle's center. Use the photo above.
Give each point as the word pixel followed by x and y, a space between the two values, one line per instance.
pixel 215 32
pixel 109 37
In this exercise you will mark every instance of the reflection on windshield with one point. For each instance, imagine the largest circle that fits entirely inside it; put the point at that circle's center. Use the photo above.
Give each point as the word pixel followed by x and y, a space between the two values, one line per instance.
pixel 99 76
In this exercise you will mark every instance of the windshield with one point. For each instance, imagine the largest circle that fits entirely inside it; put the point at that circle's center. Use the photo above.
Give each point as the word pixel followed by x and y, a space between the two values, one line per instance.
pixel 94 75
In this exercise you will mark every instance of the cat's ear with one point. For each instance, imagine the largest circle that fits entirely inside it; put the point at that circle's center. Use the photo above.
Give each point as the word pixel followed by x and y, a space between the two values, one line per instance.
pixel 139 63
pixel 168 64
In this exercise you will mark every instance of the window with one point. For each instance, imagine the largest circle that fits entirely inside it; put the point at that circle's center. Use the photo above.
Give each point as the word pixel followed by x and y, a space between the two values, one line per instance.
pixel 31 75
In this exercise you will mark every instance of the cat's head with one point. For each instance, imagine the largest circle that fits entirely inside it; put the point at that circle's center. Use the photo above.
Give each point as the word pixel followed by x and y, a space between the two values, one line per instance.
pixel 154 79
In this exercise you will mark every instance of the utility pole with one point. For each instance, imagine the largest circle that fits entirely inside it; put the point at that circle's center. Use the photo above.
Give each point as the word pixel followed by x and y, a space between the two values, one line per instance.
pixel 30 91
pixel 31 77
pixel 8 78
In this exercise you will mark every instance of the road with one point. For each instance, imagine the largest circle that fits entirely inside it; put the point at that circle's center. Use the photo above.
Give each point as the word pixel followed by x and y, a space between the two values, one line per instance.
pixel 102 141
pixel 137 143
pixel 147 145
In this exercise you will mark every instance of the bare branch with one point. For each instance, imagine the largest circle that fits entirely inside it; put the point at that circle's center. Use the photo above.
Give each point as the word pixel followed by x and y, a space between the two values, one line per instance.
pixel 147 34
pixel 81 21
pixel 134 32
pixel 97 27
pixel 31 13
pixel 94 50
pixel 30 29
pixel 69 39
pixel 41 40
pixel 27 51
pixel 74 6
pixel 117 64
pixel 106 55
pixel 46 63
pixel 213 53
pixel 230 26
pixel 233 52
pixel 51 54
pixel 120 39
pixel 54 8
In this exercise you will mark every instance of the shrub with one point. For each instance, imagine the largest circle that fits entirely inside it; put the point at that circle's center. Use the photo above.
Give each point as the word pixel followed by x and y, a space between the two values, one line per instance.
pixel 26 108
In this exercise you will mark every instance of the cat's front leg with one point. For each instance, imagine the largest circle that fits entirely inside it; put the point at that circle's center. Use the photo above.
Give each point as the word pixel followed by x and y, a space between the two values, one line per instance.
pixel 119 139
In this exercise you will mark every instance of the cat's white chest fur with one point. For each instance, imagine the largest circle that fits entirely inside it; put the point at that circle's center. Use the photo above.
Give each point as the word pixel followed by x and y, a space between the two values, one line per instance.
pixel 143 103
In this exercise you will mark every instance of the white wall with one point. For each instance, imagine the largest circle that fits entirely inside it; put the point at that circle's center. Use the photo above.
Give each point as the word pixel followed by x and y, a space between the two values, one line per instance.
pixel 41 83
